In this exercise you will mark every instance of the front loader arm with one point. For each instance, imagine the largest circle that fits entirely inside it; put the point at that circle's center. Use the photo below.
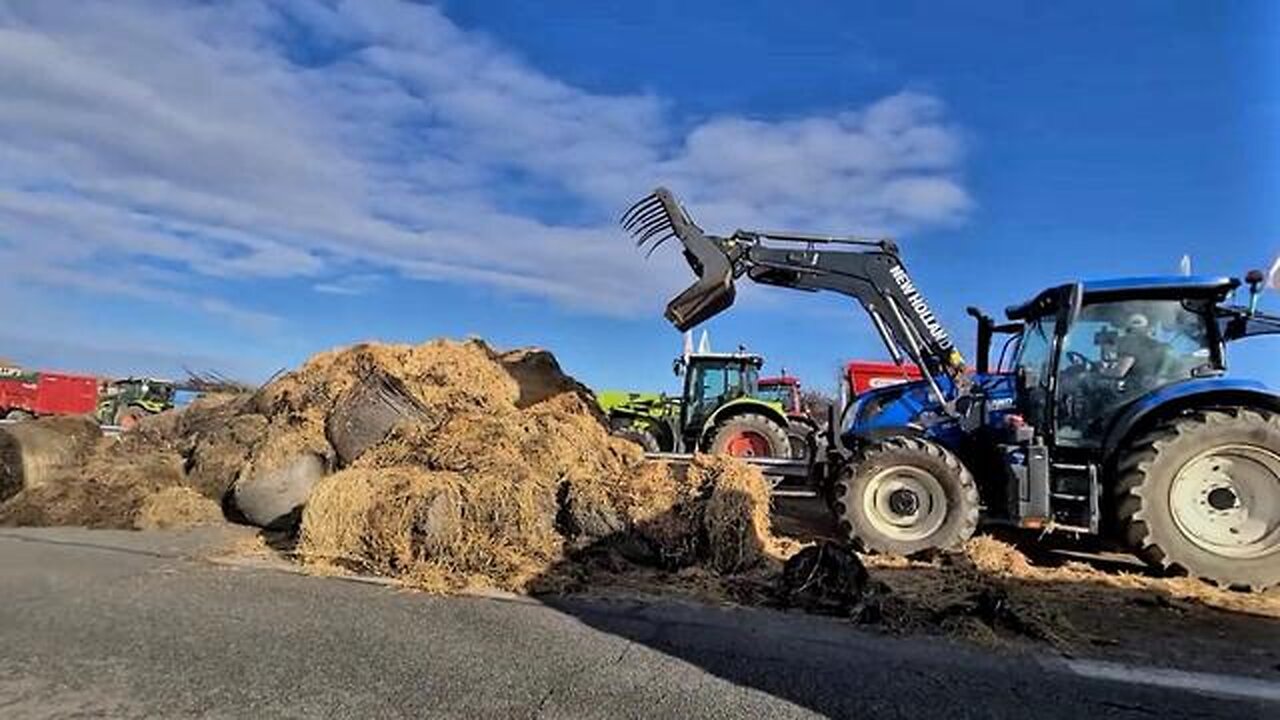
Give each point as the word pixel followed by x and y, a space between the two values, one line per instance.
pixel 869 271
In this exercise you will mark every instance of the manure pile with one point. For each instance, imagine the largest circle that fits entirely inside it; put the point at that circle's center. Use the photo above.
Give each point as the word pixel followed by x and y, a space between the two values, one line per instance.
pixel 445 464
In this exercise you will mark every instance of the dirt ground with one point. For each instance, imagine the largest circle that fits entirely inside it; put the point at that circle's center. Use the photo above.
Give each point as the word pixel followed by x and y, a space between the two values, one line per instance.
pixel 1080 601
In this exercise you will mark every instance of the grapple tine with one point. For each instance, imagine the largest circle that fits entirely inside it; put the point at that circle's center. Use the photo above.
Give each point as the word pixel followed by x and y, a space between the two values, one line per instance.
pixel 647 200
pixel 658 242
pixel 654 230
pixel 645 218
pixel 648 228
pixel 658 217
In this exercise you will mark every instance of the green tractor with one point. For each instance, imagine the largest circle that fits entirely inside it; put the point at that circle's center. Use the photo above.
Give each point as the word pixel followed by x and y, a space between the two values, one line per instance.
pixel 719 411
pixel 126 401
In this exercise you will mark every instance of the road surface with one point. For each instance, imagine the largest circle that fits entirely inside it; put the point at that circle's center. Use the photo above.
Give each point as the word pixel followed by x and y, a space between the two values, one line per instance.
pixel 98 623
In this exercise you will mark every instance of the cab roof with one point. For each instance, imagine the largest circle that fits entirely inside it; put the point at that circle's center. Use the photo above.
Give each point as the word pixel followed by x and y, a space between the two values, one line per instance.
pixel 741 357
pixel 1161 287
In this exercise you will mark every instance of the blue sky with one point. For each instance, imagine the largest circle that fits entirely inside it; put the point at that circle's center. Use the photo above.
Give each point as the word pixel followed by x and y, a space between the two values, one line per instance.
pixel 234 186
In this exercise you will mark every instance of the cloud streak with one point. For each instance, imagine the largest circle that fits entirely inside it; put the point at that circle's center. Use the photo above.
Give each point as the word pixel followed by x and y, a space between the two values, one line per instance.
pixel 317 140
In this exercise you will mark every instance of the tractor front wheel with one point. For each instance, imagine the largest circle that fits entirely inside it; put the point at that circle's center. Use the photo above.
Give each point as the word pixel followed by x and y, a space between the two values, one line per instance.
pixel 1201 493
pixel 906 495
pixel 639 436
pixel 750 435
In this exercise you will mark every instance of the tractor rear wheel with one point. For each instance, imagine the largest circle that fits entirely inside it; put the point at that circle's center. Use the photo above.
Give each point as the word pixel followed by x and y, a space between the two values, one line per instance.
pixel 906 495
pixel 1201 493
pixel 750 435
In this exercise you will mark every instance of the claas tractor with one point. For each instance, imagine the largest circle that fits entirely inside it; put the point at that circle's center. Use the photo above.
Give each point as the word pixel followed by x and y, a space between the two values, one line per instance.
pixel 1110 412
pixel 719 411
pixel 126 401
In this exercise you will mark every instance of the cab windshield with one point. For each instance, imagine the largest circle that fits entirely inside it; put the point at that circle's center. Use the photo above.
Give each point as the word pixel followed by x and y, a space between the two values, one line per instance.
pixel 712 385
pixel 778 393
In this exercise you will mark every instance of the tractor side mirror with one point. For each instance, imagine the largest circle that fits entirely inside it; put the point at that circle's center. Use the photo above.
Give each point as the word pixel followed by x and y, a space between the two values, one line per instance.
pixel 1254 279
pixel 677 367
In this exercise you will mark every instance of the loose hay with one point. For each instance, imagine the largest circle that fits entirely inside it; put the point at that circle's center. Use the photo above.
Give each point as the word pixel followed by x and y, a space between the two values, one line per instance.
pixel 176 507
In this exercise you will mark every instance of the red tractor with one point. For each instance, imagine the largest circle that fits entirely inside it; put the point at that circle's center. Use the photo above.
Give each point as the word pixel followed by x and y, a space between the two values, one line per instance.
pixel 802 426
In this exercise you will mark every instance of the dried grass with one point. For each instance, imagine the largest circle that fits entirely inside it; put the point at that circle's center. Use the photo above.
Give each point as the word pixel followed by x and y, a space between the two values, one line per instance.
pixel 176 507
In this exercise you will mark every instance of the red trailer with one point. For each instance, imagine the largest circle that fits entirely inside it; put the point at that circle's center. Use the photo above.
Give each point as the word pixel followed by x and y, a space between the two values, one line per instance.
pixel 27 394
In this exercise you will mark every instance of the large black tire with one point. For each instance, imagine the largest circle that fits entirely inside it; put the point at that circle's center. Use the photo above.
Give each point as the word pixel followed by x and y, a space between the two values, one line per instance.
pixel 906 495
pixel 1201 494
pixel 802 435
pixel 750 435
pixel 639 436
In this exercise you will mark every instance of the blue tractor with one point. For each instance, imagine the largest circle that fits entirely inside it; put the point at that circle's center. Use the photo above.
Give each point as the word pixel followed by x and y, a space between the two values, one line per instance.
pixel 1108 411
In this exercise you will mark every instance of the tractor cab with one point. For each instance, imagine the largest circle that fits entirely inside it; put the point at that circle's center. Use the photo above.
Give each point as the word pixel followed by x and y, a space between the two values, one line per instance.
pixel 1087 351
pixel 785 391
pixel 712 380
pixel 127 400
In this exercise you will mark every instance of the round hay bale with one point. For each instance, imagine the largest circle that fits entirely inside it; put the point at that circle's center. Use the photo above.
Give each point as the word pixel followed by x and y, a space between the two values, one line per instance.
pixel 272 498
pixel 389 521
pixel 217 453
pixel 364 415
pixel 736 516
pixel 32 452
pixel 586 513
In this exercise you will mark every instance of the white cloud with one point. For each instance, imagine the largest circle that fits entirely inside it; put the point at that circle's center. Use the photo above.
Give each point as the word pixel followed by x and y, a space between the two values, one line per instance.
pixel 196 139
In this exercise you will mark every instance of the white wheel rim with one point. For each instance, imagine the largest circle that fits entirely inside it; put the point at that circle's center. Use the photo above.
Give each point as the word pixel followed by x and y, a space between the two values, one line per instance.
pixel 1227 501
pixel 905 503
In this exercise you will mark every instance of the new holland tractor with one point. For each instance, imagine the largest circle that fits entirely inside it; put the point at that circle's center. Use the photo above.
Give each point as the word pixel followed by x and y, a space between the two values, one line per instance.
pixel 719 411
pixel 1111 413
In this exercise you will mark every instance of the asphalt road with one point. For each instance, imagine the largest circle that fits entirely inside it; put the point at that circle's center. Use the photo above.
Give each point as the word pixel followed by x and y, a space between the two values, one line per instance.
pixel 103 624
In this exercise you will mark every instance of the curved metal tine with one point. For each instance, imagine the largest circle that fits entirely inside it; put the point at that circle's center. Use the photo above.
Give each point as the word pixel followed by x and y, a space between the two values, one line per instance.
pixel 644 201
pixel 652 230
pixel 634 206
pixel 645 216
pixel 656 222
pixel 660 240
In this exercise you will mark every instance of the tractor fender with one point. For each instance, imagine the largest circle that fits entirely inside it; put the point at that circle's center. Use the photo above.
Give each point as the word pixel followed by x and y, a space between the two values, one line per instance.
pixel 739 406
pixel 1170 400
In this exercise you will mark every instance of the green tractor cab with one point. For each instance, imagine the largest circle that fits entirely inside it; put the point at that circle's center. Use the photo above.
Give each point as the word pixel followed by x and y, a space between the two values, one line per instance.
pixel 719 411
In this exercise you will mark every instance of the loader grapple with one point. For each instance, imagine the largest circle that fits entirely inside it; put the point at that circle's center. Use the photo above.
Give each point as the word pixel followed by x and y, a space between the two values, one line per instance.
pixel 656 218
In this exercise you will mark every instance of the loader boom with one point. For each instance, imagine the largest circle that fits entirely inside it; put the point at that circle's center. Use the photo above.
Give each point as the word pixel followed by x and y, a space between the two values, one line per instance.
pixel 869 271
